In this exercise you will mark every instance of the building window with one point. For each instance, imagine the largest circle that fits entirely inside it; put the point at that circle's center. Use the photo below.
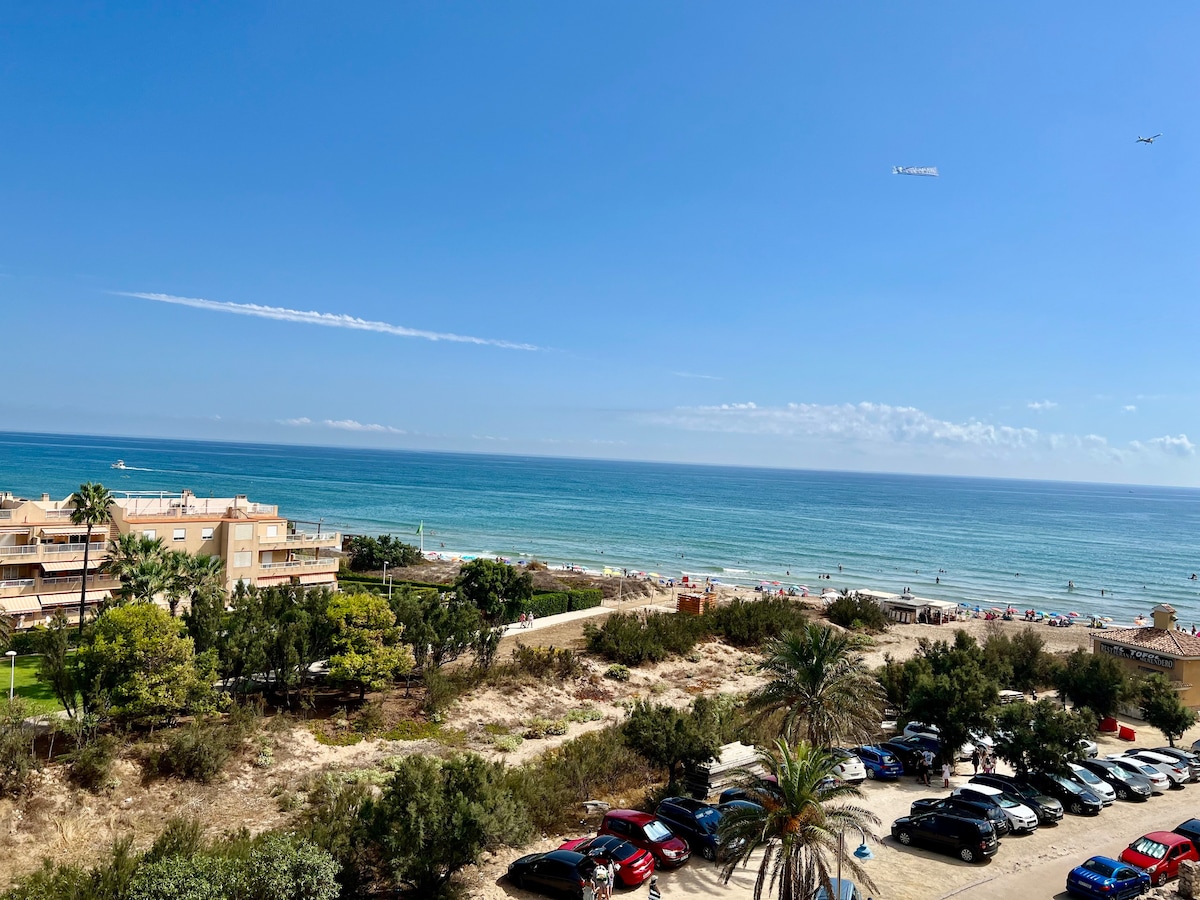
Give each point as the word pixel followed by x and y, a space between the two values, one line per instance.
pixel 243 532
pixel 179 534
pixel 241 559
pixel 150 533
pixel 206 534
pixel 272 531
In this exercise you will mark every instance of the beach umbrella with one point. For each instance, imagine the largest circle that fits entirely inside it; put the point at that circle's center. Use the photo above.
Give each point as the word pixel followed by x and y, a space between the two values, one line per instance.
pixel 1055 615
pixel 965 605
pixel 1073 614
pixel 1106 618
pixel 1041 612
pixel 996 609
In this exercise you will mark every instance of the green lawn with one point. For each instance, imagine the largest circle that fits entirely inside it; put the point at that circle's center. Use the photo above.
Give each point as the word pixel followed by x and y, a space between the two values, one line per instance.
pixel 36 693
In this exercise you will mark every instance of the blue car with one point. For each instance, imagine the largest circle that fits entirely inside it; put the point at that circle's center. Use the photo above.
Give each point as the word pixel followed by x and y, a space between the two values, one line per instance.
pixel 878 762
pixel 1104 877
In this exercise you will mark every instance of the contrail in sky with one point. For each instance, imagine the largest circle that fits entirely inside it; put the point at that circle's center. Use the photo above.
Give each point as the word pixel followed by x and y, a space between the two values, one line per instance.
pixel 329 320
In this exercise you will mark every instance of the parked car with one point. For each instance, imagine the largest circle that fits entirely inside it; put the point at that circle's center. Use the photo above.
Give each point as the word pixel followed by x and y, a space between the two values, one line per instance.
pixel 558 872
pixel 1158 781
pixel 879 763
pixel 1092 782
pixel 1160 853
pixel 1020 816
pixel 971 840
pixel 645 831
pixel 848 767
pixel 693 820
pixel 1047 809
pixel 1177 774
pixel 1104 877
pixel 1088 749
pixel 1074 796
pixel 1185 757
pixel 969 809
pixel 1191 830
pixel 633 864
pixel 930 732
pixel 1125 784
pixel 908 750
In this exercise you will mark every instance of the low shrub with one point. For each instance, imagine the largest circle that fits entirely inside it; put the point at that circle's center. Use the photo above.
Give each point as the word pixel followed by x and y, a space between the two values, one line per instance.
pixel 198 751
pixel 17 759
pixel 546 662
pixel 857 614
pixel 91 764
pixel 549 604
pixel 633 639
pixel 584 714
pixel 617 672
pixel 538 727
pixel 507 743
pixel 751 623
pixel 585 598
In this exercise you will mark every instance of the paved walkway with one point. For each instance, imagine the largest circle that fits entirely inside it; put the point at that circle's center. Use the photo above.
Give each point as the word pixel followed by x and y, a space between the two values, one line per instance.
pixel 657 604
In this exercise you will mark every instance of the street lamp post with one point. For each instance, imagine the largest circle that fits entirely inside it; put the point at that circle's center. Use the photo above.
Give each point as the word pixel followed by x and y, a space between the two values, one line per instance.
pixel 12 673
pixel 863 852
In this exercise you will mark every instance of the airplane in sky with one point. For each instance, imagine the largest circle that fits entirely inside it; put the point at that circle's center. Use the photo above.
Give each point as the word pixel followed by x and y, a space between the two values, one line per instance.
pixel 1149 140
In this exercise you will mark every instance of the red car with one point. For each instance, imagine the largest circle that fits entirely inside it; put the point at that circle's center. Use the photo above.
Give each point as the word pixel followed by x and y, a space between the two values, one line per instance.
pixel 634 865
pixel 1160 853
pixel 645 831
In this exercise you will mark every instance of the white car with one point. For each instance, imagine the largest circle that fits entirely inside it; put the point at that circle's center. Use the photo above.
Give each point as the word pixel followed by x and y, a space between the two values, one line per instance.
pixel 1158 781
pixel 1089 749
pixel 1097 786
pixel 1020 816
pixel 849 767
pixel 1165 764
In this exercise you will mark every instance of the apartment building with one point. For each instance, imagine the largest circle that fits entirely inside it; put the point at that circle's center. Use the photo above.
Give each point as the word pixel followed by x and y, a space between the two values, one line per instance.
pixel 41 552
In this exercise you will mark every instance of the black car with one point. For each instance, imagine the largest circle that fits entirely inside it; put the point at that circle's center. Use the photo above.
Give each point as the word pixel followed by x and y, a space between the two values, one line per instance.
pixel 960 806
pixel 909 750
pixel 1189 829
pixel 1074 796
pixel 1047 809
pixel 971 840
pixel 693 820
pixel 559 872
pixel 1125 784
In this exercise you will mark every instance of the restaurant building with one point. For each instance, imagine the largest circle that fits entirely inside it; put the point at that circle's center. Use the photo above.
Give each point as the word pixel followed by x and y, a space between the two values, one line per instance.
pixel 1162 649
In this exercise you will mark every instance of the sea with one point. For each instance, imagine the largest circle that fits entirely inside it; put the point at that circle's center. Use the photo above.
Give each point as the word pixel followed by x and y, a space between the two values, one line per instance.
pixel 976 541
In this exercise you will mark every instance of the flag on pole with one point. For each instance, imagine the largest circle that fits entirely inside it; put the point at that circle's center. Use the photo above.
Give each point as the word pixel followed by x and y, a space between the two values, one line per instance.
pixel 420 528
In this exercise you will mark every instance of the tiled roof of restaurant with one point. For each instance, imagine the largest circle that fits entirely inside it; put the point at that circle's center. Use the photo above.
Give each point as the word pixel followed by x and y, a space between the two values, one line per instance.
pixel 1175 643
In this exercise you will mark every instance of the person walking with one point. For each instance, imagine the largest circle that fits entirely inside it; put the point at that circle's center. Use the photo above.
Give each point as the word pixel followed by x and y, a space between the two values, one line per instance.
pixel 926 766
pixel 975 761
pixel 945 774
pixel 655 894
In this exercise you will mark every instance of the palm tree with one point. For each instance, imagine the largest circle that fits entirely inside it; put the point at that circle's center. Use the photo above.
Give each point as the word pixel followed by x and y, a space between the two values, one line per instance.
pixel 145 579
pixel 125 551
pixel 819 682
pixel 93 506
pixel 799 825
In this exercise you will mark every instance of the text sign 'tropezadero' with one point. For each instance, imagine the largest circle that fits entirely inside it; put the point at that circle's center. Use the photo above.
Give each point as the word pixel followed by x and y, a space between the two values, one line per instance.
pixel 1142 656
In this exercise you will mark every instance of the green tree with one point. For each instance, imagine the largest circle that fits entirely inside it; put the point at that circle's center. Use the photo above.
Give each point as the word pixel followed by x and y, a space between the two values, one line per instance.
pixel 205 614
pixel 1096 681
pixel 1041 736
pixel 440 627
pixel 899 677
pixel 367 649
pixel 92 507
pixel 957 695
pixel 668 737
pixel 1162 708
pixel 820 686
pixel 136 663
pixel 796 833
pixel 369 554
pixel 437 816
pixel 1018 661
pixel 496 589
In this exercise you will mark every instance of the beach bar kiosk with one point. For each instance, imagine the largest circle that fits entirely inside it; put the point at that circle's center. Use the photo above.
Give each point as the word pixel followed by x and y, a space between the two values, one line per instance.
pixel 1162 649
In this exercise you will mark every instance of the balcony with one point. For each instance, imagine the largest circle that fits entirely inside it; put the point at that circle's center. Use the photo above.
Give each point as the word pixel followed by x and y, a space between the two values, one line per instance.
pixel 304 538
pixel 59 514
pixel 332 563
pixel 29 553
pixel 18 549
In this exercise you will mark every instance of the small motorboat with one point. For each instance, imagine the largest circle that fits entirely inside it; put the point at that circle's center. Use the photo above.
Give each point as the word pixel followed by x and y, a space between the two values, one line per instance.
pixel 119 464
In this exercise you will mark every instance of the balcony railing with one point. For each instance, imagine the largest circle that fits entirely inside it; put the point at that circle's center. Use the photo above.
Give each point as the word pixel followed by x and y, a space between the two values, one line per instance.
pixel 18 549
pixel 303 537
pixel 17 583
pixel 6 513
pixel 94 581
pixel 97 547
pixel 59 513
pixel 302 564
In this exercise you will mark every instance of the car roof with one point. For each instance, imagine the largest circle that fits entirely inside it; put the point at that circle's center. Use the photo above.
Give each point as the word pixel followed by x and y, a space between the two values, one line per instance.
pixel 568 856
pixel 1169 838
pixel 688 803
pixel 630 815
pixel 1115 863
pixel 987 789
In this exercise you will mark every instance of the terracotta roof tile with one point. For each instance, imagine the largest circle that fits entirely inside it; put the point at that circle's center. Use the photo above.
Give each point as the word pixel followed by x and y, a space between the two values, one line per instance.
pixel 1175 643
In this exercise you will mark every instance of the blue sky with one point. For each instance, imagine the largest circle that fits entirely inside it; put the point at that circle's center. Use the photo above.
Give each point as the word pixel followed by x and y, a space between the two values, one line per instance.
pixel 670 230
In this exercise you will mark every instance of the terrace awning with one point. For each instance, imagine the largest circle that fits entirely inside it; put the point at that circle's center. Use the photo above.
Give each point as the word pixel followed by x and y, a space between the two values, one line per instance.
pixel 71 529
pixel 15 606
pixel 68 566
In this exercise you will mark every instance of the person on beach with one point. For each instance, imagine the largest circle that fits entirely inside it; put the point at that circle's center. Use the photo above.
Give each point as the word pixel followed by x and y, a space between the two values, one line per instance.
pixel 946 774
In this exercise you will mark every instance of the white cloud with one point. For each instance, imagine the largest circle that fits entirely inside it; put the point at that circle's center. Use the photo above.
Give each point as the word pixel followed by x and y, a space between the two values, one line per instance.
pixel 329 320
pixel 343 425
pixel 1172 446
pixel 1129 408
pixel 1041 405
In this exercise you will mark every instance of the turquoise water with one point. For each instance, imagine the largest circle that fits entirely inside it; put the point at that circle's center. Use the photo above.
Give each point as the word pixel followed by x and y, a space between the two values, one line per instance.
pixel 744 525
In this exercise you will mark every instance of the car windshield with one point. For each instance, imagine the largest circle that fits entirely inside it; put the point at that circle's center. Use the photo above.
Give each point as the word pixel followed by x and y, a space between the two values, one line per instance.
pixel 1099 867
pixel 621 852
pixel 1147 847
pixel 709 819
pixel 1068 785
pixel 1006 801
pixel 657 831
pixel 1085 775
pixel 1148 771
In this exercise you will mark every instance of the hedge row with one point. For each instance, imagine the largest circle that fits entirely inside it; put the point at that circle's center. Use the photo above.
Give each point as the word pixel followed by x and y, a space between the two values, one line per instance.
pixel 553 603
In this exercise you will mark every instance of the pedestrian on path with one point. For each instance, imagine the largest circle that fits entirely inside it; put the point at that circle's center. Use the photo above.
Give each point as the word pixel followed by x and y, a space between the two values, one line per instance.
pixel 655 894
pixel 522 620
pixel 529 620
pixel 945 774
pixel 975 761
